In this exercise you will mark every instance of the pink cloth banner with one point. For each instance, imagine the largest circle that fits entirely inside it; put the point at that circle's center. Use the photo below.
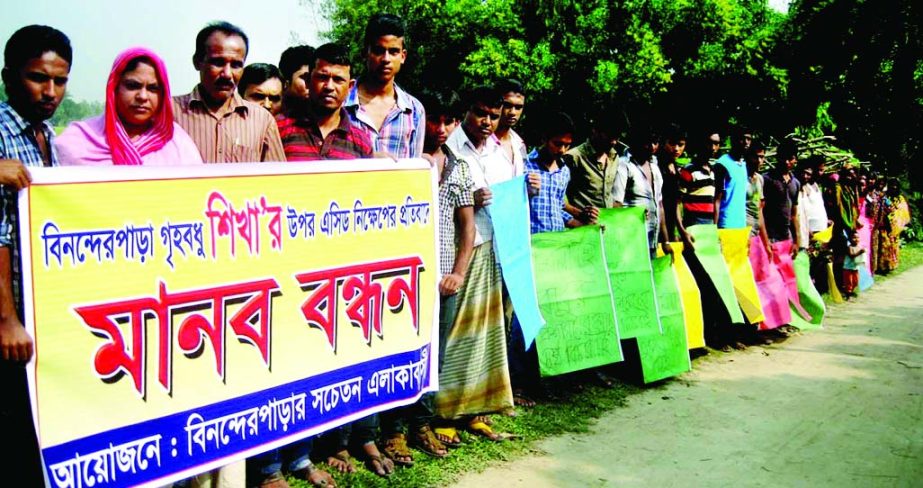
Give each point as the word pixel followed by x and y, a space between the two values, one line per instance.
pixel 782 259
pixel 770 286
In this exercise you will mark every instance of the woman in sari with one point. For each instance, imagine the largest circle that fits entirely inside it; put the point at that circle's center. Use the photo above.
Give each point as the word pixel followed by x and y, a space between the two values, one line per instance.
pixel 892 216
pixel 137 125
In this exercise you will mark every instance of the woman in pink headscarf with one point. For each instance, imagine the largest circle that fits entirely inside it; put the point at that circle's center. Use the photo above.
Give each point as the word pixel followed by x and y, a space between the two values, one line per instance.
pixel 137 126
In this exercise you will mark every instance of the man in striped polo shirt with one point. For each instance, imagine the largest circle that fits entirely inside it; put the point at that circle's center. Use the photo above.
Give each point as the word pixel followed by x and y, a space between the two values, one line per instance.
pixel 697 189
pixel 225 127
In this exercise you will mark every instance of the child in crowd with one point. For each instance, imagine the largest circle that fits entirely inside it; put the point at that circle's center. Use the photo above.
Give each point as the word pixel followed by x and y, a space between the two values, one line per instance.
pixel 855 258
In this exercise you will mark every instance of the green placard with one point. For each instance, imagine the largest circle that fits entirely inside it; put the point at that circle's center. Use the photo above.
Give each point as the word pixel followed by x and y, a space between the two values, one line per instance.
pixel 629 262
pixel 810 299
pixel 708 250
pixel 665 355
pixel 574 297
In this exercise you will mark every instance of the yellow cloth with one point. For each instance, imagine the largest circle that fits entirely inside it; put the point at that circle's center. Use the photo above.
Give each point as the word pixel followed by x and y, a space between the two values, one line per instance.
pixel 690 296
pixel 823 236
pixel 735 246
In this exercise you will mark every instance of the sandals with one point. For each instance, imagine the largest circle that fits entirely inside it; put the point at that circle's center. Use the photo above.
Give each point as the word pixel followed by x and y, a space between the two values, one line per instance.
pixel 425 440
pixel 448 436
pixel 396 449
pixel 479 428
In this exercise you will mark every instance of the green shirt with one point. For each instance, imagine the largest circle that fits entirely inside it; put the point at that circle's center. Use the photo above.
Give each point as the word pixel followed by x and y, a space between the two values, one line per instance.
pixel 591 182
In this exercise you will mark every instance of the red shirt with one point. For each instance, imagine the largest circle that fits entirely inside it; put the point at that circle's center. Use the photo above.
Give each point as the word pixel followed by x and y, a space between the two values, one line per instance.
pixel 302 139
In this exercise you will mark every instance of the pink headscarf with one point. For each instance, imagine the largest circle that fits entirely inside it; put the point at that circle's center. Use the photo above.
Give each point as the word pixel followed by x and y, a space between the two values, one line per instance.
pixel 124 150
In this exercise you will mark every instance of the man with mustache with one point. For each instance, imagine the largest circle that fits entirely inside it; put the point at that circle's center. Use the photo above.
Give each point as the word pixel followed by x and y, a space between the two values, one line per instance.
pixel 225 127
pixel 393 119
pixel 37 62
pixel 322 129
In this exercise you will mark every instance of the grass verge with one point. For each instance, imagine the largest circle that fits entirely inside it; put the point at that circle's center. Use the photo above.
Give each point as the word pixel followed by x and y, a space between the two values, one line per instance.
pixel 574 410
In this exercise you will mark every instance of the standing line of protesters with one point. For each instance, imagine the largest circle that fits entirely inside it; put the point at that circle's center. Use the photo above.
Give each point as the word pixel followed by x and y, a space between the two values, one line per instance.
pixel 312 107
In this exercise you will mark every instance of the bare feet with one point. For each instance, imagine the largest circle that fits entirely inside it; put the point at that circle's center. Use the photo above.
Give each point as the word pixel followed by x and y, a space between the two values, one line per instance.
pixel 377 463
pixel 342 462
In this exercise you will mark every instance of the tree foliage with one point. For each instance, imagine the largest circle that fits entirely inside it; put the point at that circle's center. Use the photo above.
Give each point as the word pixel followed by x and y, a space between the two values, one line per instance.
pixel 864 60
pixel 853 68
pixel 658 59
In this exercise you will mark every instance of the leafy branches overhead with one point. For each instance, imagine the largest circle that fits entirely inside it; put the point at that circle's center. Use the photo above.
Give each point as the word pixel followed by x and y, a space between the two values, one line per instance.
pixel 853 67
pixel 577 54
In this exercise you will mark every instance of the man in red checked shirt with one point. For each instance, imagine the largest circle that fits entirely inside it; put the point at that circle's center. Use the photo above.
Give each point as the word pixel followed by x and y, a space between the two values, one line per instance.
pixel 322 129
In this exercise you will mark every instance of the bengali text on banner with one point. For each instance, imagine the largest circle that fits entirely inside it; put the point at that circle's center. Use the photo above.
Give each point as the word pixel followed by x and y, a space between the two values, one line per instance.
pixel 188 317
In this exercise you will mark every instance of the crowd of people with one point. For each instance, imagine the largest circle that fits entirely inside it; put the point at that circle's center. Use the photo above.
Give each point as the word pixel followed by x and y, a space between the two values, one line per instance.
pixel 313 106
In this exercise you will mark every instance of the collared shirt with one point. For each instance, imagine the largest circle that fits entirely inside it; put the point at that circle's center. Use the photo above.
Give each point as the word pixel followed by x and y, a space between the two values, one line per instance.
pixel 812 199
pixel 487 168
pixel 733 211
pixel 401 134
pixel 456 190
pixel 591 182
pixel 546 210
pixel 519 151
pixel 633 189
pixel 302 139
pixel 17 141
pixel 244 132
pixel 780 197
pixel 697 192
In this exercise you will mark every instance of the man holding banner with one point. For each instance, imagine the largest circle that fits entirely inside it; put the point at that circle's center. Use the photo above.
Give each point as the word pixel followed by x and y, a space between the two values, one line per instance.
pixel 37 61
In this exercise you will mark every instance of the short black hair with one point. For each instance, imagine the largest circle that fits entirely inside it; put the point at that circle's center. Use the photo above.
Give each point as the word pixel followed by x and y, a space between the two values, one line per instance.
pixel 32 41
pixel 787 148
pixel 557 123
pixel 674 133
pixel 257 73
pixel 226 28
pixel 381 25
pixel 510 85
pixel 612 121
pixel 487 95
pixel 333 53
pixel 738 130
pixel 755 147
pixel 294 58
pixel 439 103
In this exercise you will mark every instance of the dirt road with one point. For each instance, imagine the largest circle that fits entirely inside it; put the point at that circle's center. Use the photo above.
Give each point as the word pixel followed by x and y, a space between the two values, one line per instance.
pixel 842 406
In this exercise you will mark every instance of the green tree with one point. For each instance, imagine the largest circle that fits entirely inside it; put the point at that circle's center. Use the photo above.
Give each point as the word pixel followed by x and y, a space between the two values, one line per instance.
pixel 689 61
pixel 863 62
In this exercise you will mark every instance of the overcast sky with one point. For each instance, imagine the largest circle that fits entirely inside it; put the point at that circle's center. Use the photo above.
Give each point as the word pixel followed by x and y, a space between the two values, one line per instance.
pixel 100 29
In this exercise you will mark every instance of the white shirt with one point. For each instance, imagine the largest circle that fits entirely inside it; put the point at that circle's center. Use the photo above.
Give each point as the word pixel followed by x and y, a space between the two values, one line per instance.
pixel 488 167
pixel 813 200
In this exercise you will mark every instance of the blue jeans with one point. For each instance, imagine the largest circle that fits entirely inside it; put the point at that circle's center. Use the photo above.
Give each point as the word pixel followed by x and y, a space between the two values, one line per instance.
pixel 296 456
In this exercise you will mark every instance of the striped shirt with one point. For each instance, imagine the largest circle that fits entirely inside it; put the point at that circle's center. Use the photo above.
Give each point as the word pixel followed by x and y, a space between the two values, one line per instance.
pixel 17 141
pixel 302 140
pixel 244 132
pixel 697 193
pixel 401 134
